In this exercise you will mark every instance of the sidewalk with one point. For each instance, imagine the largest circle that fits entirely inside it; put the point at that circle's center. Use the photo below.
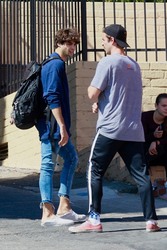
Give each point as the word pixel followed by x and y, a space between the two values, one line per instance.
pixel 123 224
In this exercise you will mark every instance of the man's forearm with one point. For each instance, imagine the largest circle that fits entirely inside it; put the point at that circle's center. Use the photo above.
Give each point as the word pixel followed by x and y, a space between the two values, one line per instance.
pixel 57 113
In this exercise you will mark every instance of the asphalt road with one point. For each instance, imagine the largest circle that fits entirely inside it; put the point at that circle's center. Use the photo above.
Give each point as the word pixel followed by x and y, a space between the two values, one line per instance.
pixel 123 223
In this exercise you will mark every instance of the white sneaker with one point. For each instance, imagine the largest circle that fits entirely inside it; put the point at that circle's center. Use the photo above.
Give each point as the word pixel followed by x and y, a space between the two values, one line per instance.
pixel 57 221
pixel 71 215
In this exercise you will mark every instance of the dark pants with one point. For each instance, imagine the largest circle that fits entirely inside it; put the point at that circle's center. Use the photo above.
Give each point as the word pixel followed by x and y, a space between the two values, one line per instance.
pixel 102 152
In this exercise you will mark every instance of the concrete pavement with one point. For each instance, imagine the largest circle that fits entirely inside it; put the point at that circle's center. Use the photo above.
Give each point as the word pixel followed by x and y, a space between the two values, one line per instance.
pixel 123 224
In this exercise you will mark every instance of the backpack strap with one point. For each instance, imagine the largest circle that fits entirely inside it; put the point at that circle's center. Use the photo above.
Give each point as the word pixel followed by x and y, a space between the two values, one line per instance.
pixel 48 59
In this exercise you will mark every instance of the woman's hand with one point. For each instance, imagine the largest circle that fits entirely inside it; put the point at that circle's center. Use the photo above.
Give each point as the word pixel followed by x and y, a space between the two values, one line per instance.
pixel 153 148
pixel 158 133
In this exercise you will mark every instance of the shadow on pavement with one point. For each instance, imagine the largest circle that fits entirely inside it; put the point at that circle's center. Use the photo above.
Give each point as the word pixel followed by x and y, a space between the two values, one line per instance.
pixel 130 219
pixel 32 180
pixel 20 196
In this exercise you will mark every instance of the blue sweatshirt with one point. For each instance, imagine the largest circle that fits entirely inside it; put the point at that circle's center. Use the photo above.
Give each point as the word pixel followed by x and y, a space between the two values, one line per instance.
pixel 56 94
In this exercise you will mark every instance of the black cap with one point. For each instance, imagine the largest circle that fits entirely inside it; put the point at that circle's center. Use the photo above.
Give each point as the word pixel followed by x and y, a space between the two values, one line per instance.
pixel 118 32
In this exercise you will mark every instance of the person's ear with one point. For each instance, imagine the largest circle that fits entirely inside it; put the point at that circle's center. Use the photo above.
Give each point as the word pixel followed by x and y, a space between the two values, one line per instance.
pixel 112 39
pixel 59 44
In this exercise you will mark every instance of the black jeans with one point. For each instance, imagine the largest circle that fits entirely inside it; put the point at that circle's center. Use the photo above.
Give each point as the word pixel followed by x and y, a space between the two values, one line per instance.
pixel 102 152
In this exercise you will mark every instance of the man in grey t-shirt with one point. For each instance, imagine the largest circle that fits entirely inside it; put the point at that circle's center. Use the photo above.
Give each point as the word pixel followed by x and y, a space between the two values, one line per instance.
pixel 116 91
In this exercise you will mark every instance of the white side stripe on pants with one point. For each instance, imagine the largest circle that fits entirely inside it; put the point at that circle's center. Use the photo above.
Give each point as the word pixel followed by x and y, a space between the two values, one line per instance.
pixel 89 170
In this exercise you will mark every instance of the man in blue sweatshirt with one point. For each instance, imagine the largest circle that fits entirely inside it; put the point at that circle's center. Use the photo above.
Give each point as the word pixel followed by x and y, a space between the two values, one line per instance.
pixel 56 95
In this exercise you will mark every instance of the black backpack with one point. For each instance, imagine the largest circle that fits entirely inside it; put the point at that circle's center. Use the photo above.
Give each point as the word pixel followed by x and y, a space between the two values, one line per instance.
pixel 28 104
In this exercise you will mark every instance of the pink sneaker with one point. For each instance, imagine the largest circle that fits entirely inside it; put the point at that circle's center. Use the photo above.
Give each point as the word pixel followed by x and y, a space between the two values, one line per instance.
pixel 86 227
pixel 150 227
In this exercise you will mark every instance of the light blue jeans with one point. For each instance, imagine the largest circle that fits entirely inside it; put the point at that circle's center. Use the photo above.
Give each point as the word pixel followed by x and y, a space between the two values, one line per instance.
pixel 70 157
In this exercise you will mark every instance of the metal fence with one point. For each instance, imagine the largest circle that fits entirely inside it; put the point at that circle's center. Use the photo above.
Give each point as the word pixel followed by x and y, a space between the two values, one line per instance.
pixel 28 28
pixel 140 12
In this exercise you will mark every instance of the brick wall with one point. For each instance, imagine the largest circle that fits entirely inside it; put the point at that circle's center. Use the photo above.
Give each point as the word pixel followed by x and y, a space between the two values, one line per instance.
pixel 24 146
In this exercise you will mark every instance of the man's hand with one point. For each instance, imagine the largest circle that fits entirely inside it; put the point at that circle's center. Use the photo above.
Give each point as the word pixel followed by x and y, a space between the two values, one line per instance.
pixel 64 136
pixel 95 107
pixel 12 121
pixel 60 120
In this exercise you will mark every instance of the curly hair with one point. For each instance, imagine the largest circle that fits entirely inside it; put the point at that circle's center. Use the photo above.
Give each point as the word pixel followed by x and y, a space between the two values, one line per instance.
pixel 67 35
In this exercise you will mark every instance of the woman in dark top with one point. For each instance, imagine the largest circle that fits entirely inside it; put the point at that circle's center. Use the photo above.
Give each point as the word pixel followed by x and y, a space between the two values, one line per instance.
pixel 155 130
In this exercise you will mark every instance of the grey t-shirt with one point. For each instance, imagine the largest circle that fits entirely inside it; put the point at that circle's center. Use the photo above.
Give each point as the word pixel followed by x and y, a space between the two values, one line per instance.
pixel 119 116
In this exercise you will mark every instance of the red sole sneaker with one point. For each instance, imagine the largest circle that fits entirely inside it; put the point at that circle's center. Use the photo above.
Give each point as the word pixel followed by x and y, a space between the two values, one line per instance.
pixel 86 227
pixel 152 228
